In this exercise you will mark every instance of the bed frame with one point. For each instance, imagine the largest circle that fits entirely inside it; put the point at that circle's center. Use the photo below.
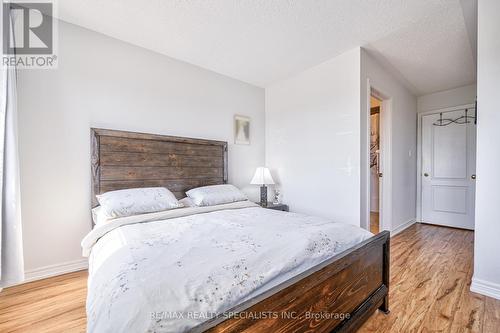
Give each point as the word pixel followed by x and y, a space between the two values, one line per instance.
pixel 337 295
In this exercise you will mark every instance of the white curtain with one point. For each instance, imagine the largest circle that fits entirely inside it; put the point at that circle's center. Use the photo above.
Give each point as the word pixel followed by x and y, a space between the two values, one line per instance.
pixel 11 247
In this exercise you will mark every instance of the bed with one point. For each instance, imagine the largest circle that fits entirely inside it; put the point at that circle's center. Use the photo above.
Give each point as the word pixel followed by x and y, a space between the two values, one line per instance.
pixel 227 268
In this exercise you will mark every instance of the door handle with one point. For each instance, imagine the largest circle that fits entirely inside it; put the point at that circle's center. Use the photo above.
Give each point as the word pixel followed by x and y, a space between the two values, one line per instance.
pixel 473 177
pixel 380 174
pixel 426 174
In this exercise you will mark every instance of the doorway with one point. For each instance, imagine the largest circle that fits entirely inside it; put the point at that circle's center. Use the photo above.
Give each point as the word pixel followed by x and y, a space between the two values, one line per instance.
pixel 448 167
pixel 375 167
pixel 376 201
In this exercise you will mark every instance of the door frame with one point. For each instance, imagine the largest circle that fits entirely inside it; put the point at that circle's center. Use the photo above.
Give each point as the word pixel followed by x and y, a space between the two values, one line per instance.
pixel 419 149
pixel 385 184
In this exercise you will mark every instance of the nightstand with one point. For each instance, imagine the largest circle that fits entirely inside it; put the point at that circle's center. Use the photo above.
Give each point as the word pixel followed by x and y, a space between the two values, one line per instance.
pixel 270 205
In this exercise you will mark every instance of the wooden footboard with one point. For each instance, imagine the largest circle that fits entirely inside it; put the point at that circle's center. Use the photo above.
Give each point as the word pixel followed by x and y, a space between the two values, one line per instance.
pixel 335 296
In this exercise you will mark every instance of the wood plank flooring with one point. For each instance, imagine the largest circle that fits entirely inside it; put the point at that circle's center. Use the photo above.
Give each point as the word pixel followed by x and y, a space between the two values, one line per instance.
pixel 431 268
pixel 51 305
pixel 374 223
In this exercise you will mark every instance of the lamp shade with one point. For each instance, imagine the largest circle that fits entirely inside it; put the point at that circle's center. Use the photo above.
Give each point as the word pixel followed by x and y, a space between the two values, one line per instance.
pixel 262 177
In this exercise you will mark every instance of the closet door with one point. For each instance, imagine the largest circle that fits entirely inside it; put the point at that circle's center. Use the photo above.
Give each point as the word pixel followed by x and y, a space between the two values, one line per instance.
pixel 448 169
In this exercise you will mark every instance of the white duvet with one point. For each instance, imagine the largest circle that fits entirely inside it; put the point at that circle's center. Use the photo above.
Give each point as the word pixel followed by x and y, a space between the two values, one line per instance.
pixel 170 271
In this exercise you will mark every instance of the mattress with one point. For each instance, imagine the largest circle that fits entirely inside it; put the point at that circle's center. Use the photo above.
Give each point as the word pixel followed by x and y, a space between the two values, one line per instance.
pixel 173 270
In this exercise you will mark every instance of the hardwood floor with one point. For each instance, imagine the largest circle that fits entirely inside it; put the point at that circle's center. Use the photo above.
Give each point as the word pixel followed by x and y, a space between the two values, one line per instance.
pixel 431 269
pixel 52 305
pixel 374 223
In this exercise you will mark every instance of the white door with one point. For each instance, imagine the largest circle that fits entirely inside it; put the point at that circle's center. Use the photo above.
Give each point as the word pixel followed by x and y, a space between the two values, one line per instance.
pixel 448 169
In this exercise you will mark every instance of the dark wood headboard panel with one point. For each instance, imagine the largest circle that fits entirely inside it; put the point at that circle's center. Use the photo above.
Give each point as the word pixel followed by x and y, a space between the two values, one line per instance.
pixel 129 160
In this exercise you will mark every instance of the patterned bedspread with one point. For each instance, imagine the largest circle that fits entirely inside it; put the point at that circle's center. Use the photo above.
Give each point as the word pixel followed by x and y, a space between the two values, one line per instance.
pixel 174 271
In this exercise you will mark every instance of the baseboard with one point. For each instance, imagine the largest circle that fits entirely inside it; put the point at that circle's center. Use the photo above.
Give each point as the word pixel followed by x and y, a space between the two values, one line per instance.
pixel 8 283
pixel 402 227
pixel 485 288
pixel 53 270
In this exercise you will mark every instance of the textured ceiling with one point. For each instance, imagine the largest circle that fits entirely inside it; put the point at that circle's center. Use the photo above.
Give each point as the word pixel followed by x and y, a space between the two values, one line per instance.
pixel 424 42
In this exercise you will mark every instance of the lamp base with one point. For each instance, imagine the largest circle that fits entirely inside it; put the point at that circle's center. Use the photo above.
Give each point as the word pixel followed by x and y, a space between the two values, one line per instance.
pixel 263 196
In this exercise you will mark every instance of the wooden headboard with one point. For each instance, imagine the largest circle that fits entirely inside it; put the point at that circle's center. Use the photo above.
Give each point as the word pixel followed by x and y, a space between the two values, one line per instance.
pixel 129 160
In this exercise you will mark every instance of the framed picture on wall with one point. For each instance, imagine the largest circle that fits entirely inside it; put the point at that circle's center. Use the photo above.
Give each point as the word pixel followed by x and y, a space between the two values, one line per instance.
pixel 241 130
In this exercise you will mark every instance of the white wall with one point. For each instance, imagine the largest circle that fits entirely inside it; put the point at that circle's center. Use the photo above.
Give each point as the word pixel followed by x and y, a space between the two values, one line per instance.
pixel 312 138
pixel 103 82
pixel 448 98
pixel 486 278
pixel 317 140
pixel 403 131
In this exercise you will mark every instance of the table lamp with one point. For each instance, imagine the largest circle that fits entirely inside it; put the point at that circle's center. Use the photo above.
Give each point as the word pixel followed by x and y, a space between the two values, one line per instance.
pixel 262 177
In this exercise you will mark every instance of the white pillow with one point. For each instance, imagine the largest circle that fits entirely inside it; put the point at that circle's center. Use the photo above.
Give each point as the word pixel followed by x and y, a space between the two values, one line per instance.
pixel 99 216
pixel 135 201
pixel 215 195
pixel 187 202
